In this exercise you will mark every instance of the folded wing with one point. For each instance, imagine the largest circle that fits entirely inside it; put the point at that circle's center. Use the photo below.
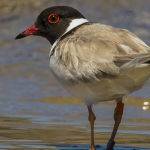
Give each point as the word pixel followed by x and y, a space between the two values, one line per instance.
pixel 95 50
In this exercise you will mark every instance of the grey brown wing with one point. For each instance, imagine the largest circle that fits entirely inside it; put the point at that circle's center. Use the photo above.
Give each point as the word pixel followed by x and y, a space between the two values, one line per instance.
pixel 85 58
pixel 125 41
pixel 98 50
pixel 125 46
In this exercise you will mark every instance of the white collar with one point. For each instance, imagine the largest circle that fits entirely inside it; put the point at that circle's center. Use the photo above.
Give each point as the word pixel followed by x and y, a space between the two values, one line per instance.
pixel 74 23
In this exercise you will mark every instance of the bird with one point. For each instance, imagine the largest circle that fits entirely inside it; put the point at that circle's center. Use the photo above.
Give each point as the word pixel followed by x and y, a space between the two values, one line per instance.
pixel 93 61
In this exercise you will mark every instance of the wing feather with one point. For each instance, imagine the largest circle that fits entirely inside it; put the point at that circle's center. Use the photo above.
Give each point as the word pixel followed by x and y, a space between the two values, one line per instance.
pixel 98 49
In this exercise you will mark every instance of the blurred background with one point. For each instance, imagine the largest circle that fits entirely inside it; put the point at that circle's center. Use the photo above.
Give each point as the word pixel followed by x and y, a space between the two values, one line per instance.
pixel 35 110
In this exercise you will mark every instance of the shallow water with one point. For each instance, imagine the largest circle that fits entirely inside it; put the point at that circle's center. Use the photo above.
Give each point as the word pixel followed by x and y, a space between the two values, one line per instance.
pixel 34 113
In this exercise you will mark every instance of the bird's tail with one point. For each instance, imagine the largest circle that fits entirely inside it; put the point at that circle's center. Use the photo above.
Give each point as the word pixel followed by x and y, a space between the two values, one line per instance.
pixel 138 70
pixel 141 60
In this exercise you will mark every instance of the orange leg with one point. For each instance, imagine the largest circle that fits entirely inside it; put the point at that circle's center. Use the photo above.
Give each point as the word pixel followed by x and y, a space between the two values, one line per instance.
pixel 92 119
pixel 117 117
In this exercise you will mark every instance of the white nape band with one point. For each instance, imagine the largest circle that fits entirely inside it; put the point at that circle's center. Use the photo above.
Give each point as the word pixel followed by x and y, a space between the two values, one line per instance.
pixel 73 24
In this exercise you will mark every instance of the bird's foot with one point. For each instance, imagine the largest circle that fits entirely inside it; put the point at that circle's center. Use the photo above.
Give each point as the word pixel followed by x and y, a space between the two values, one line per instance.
pixel 110 145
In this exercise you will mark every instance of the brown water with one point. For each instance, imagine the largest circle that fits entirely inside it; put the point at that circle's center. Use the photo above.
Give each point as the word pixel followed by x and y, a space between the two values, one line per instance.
pixel 34 113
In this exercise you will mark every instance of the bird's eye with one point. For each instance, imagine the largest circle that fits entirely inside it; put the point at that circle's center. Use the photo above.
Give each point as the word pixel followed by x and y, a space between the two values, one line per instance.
pixel 53 18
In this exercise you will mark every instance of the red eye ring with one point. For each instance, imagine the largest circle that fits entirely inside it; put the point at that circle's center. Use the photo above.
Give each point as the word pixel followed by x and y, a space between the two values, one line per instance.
pixel 53 18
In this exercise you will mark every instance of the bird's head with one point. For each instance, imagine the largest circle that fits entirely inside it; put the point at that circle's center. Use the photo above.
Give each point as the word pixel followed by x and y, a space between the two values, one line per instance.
pixel 54 22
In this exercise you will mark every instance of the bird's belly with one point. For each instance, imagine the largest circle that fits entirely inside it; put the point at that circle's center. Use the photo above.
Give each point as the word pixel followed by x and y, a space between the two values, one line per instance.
pixel 106 89
pixel 89 91
pixel 97 91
